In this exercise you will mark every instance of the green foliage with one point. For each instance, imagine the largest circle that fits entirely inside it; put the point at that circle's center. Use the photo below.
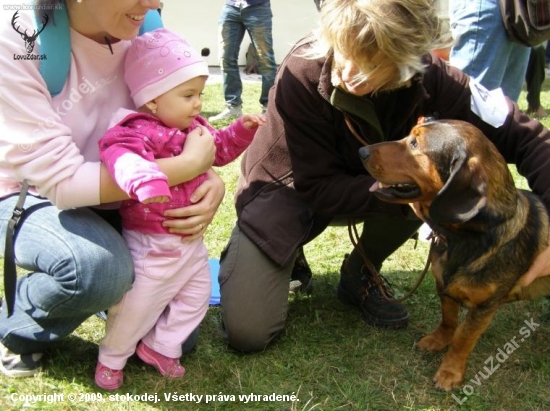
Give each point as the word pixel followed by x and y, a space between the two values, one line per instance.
pixel 328 357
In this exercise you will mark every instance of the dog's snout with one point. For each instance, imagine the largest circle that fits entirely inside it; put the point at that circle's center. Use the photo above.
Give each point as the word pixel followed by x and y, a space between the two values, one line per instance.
pixel 364 153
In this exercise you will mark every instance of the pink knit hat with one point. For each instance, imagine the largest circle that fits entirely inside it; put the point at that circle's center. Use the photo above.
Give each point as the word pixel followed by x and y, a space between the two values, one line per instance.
pixel 157 62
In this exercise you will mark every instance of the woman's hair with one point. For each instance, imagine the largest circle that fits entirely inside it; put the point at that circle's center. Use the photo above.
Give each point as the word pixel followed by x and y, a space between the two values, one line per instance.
pixel 385 39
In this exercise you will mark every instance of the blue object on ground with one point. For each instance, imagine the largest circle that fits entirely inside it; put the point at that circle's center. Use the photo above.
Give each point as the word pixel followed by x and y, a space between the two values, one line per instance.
pixel 214 270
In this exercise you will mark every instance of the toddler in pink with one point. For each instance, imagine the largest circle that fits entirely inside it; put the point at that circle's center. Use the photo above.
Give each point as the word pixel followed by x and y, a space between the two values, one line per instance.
pixel 172 285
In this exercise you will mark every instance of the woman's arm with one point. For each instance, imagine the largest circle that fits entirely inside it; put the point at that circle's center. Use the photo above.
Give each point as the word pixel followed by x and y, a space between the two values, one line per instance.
pixel 539 268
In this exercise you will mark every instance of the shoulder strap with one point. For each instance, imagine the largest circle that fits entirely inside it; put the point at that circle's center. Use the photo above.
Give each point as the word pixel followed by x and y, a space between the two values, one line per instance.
pixel 55 43
pixel 151 22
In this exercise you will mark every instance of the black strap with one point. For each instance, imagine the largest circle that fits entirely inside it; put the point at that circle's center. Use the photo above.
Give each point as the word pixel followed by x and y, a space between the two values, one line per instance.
pixel 10 273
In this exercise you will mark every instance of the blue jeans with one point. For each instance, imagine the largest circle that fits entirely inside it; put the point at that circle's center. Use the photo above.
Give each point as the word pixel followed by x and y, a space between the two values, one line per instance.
pixel 482 48
pixel 79 265
pixel 233 23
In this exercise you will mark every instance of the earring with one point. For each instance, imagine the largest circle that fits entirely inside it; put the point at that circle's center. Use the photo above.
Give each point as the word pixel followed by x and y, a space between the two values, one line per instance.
pixel 154 111
pixel 79 1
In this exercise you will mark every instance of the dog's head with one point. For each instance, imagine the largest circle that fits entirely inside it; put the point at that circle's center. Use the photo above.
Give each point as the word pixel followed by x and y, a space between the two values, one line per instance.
pixel 443 168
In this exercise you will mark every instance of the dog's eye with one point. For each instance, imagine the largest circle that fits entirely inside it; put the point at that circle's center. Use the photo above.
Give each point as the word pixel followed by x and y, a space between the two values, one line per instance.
pixel 413 143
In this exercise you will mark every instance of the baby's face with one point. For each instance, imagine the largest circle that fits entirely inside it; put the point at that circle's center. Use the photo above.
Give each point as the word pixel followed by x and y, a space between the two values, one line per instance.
pixel 179 106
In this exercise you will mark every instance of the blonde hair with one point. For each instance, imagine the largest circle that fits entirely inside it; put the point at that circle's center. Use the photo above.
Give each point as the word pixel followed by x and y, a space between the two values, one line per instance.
pixel 385 39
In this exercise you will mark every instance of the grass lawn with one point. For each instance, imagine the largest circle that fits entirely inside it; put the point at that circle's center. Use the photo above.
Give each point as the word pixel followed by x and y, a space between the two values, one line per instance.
pixel 328 358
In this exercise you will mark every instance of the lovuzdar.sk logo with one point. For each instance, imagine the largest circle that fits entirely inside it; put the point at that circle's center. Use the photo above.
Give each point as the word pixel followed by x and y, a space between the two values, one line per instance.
pixel 29 39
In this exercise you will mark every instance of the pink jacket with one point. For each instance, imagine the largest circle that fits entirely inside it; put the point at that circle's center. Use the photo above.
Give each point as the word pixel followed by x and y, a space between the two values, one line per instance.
pixel 129 149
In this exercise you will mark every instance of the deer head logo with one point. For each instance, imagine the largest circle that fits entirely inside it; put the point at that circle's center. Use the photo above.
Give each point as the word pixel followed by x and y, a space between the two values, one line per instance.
pixel 29 40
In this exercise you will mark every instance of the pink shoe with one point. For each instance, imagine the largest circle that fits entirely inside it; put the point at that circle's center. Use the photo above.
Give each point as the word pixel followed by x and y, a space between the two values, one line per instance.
pixel 108 379
pixel 168 367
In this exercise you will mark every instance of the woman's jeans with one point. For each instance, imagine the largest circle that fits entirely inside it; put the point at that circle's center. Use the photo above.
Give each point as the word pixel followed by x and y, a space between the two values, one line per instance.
pixel 482 48
pixel 79 265
pixel 233 24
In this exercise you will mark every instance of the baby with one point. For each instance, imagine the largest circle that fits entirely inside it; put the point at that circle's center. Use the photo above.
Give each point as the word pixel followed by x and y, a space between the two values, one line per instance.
pixel 170 294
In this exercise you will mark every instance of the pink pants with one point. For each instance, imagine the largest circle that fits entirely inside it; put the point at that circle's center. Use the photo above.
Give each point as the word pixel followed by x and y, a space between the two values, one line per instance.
pixel 168 300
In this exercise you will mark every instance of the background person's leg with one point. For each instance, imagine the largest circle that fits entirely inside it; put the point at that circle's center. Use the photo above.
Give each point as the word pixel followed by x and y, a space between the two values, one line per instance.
pixel 482 48
pixel 230 37
pixel 258 21
pixel 534 78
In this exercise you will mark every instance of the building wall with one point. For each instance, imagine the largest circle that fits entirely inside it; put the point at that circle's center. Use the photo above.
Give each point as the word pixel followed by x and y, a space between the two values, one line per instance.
pixel 292 19
pixel 198 23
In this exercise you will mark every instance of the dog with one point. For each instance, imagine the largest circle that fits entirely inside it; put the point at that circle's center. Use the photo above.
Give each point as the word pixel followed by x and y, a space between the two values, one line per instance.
pixel 487 231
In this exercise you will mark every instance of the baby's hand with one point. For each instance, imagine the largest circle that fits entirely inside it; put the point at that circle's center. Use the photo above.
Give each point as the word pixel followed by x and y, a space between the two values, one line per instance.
pixel 157 199
pixel 252 121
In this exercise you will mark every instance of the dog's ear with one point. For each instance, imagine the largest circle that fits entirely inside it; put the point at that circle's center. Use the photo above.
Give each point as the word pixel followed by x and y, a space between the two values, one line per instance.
pixel 464 193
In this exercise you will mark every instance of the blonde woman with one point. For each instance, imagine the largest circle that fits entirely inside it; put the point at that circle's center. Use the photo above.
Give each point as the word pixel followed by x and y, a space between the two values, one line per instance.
pixel 366 75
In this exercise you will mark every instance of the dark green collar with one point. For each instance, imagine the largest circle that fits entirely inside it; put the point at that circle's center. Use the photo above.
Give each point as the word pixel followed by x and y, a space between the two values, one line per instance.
pixel 361 107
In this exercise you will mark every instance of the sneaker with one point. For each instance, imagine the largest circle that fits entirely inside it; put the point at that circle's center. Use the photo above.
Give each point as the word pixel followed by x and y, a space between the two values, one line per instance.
pixel 168 367
pixel 301 279
pixel 229 112
pixel 363 293
pixel 19 365
pixel 107 378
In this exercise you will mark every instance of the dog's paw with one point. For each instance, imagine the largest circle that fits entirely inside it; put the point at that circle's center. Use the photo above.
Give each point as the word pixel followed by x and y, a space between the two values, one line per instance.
pixel 432 342
pixel 448 379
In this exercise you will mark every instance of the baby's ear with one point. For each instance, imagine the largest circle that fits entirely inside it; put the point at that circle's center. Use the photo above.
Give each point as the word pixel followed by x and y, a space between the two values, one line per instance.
pixel 151 106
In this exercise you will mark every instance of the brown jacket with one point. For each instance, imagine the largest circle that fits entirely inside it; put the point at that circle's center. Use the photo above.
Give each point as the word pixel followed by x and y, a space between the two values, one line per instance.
pixel 303 167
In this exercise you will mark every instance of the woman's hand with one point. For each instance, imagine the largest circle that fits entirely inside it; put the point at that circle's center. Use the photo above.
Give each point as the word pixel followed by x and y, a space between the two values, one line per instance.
pixel 539 268
pixel 193 220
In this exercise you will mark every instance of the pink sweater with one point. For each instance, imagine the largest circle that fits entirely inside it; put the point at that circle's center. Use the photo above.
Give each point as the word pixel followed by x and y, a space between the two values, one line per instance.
pixel 129 149
pixel 53 142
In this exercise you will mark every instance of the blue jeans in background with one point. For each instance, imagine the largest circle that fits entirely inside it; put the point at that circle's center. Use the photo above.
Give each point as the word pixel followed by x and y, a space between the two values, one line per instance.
pixel 482 48
pixel 79 265
pixel 233 23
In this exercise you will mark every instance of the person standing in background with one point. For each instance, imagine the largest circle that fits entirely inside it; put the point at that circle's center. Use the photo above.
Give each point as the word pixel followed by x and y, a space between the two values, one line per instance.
pixel 534 77
pixel 238 16
pixel 483 50
pixel 365 75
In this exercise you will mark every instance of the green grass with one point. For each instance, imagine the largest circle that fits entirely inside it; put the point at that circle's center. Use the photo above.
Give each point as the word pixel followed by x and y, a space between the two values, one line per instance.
pixel 328 357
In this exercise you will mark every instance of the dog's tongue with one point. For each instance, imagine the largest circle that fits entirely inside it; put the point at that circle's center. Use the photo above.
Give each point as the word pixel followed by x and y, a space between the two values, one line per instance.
pixel 374 187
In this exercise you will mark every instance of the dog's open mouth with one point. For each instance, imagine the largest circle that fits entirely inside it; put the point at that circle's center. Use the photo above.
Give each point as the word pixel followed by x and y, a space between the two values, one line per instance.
pixel 398 190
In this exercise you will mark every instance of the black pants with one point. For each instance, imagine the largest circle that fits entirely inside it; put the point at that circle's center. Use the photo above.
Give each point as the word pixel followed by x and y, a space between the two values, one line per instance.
pixel 534 77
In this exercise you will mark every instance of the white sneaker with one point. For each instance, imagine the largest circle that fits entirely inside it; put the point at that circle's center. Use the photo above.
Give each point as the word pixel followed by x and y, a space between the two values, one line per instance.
pixel 19 365
pixel 230 111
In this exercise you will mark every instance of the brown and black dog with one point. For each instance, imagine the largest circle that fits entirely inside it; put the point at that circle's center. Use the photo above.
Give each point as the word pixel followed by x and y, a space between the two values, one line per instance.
pixel 488 232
